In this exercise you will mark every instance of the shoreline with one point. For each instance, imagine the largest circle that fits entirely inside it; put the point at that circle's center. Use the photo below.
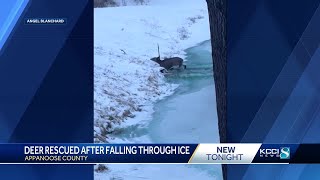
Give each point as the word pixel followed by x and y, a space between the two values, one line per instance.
pixel 127 84
pixel 145 117
pixel 193 171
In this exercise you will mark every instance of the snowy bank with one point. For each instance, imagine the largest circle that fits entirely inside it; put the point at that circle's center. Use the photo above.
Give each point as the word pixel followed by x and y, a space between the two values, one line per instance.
pixel 127 83
pixel 155 172
pixel 125 80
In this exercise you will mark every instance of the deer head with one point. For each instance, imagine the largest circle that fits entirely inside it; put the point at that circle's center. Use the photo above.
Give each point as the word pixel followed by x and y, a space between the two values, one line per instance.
pixel 156 59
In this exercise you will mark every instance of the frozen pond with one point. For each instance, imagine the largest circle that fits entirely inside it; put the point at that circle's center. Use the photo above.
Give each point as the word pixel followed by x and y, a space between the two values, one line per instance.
pixel 187 116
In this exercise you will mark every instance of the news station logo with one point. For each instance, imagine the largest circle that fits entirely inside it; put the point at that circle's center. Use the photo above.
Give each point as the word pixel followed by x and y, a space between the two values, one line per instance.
pixel 285 153
pixel 282 153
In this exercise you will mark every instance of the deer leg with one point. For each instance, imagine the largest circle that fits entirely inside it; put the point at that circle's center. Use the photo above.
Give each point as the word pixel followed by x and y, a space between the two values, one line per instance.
pixel 185 67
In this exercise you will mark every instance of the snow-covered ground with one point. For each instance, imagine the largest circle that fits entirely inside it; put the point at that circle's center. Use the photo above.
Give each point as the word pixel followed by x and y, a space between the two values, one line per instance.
pixel 127 82
pixel 126 38
pixel 154 172
pixel 131 2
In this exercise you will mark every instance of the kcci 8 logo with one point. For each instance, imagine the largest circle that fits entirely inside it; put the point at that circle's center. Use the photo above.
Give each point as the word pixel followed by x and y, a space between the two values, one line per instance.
pixel 282 153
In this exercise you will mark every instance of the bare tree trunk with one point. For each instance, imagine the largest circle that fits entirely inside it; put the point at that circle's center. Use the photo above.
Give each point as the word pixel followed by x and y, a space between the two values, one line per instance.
pixel 217 18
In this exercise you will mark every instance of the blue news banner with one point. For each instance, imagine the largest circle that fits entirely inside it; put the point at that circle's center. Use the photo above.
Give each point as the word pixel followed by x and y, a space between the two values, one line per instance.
pixel 159 153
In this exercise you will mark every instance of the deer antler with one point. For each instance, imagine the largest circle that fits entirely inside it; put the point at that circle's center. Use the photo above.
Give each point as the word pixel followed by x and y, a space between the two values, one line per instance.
pixel 158 51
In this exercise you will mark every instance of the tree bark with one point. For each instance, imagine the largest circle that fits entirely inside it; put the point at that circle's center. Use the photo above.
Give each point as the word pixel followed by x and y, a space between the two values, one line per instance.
pixel 217 19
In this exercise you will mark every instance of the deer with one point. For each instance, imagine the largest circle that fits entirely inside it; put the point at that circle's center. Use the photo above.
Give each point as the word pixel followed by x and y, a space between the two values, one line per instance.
pixel 169 63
